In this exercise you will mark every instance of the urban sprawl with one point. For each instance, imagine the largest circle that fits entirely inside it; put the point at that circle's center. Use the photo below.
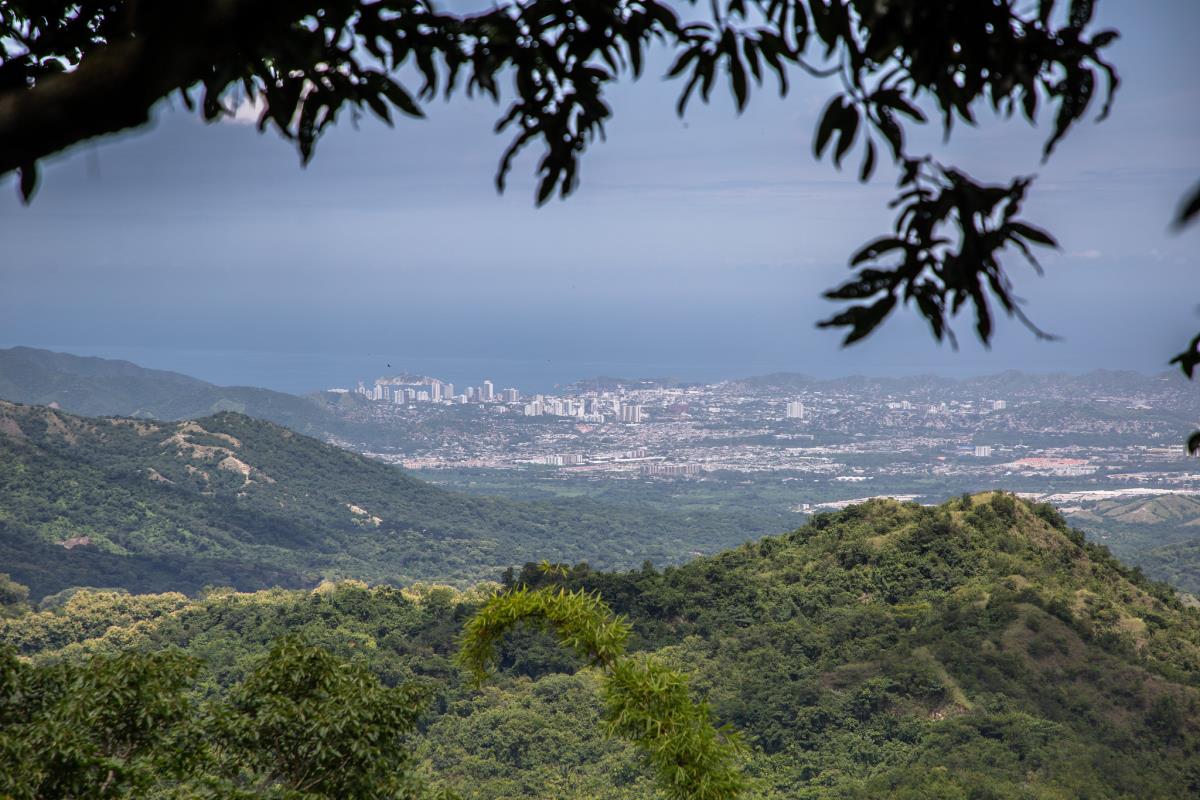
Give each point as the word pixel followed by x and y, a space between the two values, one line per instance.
pixel 1046 434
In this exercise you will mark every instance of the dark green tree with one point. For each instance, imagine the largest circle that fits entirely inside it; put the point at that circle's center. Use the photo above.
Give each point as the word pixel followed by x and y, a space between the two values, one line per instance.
pixel 306 723
pixel 303 724
pixel 104 728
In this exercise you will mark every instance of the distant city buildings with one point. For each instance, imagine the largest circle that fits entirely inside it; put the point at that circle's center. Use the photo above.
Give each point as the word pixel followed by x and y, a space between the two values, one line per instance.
pixel 671 470
pixel 949 436
pixel 564 460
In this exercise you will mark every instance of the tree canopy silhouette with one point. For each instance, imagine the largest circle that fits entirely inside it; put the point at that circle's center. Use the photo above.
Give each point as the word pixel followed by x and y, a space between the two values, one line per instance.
pixel 71 71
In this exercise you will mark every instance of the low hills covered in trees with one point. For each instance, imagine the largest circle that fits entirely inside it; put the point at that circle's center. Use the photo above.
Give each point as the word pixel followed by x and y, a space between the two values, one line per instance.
pixel 175 506
pixel 979 648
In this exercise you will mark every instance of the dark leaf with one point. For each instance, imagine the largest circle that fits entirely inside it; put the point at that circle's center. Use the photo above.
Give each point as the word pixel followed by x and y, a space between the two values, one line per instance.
pixel 848 125
pixel 893 98
pixel 401 99
pixel 1033 234
pixel 892 132
pixel 875 249
pixel 752 59
pixel 1189 359
pixel 29 181
pixel 870 319
pixel 737 79
pixel 868 165
pixel 1190 208
pixel 829 121
pixel 685 58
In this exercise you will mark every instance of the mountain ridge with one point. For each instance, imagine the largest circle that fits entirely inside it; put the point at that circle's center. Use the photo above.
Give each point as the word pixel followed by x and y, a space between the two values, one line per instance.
pixel 93 386
pixel 230 499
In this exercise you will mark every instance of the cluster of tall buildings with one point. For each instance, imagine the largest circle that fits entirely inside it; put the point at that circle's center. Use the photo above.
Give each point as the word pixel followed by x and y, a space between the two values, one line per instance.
pixel 587 409
pixel 431 390
pixel 597 409
pixel 565 460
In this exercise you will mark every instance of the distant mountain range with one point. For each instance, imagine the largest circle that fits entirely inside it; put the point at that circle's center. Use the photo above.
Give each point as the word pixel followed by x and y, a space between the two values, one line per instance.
pixel 1098 381
pixel 226 499
pixel 99 386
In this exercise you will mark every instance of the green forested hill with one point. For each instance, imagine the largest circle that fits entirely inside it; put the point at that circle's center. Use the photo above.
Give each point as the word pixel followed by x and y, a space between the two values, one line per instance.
pixel 1178 564
pixel 155 506
pixel 1159 533
pixel 107 387
pixel 979 649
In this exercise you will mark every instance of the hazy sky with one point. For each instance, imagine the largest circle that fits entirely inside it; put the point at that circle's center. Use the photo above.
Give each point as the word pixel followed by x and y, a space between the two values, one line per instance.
pixel 696 247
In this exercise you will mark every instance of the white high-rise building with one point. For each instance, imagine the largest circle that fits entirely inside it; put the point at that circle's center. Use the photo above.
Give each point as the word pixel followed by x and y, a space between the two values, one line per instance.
pixel 631 413
pixel 378 393
pixel 999 405
pixel 511 395
pixel 448 391
pixel 795 410
pixel 983 451
pixel 488 390
pixel 435 391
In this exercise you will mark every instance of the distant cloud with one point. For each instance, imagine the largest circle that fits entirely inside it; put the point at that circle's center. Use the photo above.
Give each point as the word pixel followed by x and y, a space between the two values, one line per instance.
pixel 1090 254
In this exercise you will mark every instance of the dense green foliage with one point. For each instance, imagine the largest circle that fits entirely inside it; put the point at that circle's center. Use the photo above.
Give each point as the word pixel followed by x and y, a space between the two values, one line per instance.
pixel 645 701
pixel 976 649
pixel 1177 564
pixel 228 500
pixel 302 724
